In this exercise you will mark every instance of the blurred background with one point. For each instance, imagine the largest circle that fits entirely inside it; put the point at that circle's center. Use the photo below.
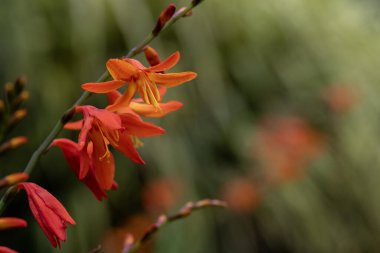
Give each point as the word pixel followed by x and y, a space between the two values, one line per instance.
pixel 282 122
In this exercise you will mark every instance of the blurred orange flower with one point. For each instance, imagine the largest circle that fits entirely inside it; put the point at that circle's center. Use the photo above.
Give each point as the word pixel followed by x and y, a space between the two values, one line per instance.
pixel 160 194
pixel 285 145
pixel 241 195
pixel 340 98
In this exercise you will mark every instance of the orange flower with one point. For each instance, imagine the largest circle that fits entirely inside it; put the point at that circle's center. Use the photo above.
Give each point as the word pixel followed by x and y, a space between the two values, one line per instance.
pixel 49 213
pixel 139 78
pixel 77 158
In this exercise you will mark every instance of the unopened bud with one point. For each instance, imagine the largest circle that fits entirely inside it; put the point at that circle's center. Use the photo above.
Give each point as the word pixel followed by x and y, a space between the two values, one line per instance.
pixel 20 84
pixel 22 97
pixel 9 87
pixel 18 141
pixel 151 56
pixel 9 92
pixel 13 144
pixel 7 223
pixel 13 179
pixel 164 17
pixel 17 116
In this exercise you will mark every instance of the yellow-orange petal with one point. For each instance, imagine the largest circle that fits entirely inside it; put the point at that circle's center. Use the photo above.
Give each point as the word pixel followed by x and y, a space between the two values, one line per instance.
pixel 121 69
pixel 125 99
pixel 150 111
pixel 103 87
pixel 172 79
pixel 166 64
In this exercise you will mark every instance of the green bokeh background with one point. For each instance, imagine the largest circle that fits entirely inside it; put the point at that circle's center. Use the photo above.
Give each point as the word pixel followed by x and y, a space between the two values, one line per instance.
pixel 253 58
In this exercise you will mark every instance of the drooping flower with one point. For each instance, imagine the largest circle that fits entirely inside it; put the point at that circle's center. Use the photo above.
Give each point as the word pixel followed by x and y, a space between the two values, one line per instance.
pixel 101 128
pixel 48 212
pixel 77 158
pixel 139 78
pixel 10 222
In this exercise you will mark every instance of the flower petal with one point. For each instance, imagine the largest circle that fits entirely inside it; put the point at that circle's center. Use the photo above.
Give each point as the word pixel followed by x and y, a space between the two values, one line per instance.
pixel 113 96
pixel 126 147
pixel 121 69
pixel 125 99
pixel 108 119
pixel 166 64
pixel 103 87
pixel 6 250
pixel 76 125
pixel 70 150
pixel 135 126
pixel 104 168
pixel 172 79
pixel 150 111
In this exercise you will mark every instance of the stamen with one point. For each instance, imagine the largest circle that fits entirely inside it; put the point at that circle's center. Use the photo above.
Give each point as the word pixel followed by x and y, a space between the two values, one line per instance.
pixel 136 142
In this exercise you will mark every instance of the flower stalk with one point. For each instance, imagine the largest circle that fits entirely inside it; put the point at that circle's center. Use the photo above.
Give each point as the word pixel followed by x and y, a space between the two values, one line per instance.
pixel 132 246
pixel 66 117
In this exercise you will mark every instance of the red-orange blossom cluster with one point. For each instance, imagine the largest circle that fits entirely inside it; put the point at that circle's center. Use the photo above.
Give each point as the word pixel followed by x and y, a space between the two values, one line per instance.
pixel 120 125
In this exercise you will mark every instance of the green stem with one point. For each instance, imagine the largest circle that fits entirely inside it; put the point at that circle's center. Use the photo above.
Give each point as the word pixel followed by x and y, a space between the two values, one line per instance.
pixel 69 113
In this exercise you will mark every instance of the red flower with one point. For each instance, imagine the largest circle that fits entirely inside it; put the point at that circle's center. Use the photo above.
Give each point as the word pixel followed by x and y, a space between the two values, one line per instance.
pixel 141 79
pixel 49 213
pixel 6 250
pixel 77 158
pixel 101 128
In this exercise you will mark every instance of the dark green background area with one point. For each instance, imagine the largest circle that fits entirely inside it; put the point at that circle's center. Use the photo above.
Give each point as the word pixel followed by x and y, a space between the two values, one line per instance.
pixel 252 58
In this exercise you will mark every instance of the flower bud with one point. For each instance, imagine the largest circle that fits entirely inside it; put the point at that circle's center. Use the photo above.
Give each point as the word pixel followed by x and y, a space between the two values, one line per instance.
pixel 17 116
pixel 13 179
pixel 151 56
pixel 7 223
pixel 22 97
pixel 164 17
pixel 9 92
pixel 13 144
pixel 20 84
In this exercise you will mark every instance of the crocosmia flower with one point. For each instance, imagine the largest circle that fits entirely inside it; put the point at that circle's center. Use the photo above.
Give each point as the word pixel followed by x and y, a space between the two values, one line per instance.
pixel 140 78
pixel 101 127
pixel 49 212
pixel 77 158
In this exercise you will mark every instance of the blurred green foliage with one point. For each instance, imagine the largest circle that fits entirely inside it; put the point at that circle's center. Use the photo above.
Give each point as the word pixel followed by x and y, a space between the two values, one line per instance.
pixel 254 59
